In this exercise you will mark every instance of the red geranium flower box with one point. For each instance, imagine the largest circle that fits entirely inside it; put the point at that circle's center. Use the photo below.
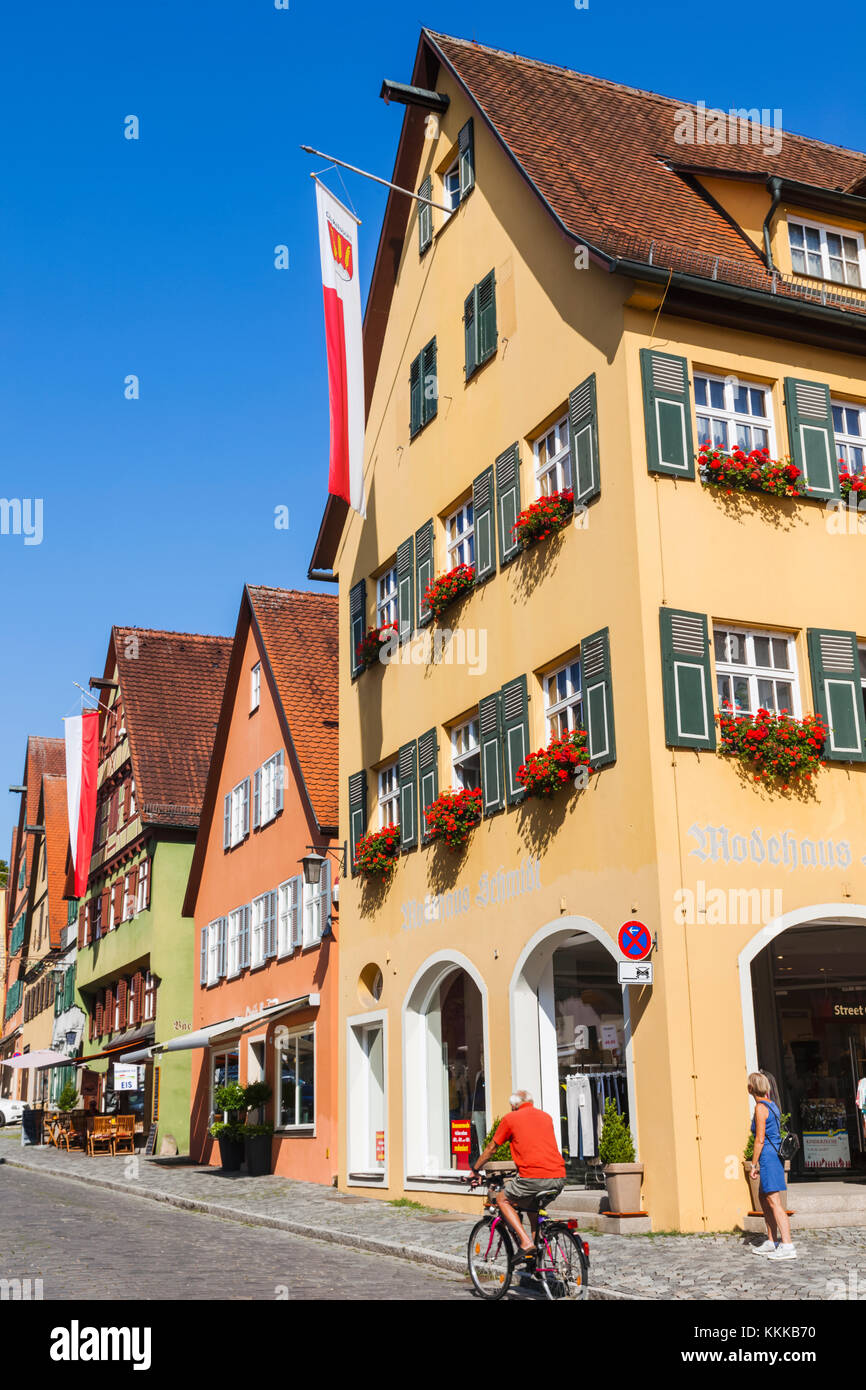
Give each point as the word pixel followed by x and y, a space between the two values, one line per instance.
pixel 738 471
pixel 372 643
pixel 851 482
pixel 773 746
pixel 376 854
pixel 453 816
pixel 446 588
pixel 544 517
pixel 544 772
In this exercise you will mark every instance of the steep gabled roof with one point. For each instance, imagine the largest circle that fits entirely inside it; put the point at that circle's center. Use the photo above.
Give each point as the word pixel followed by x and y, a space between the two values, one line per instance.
pixel 296 633
pixel 43 755
pixel 171 684
pixel 299 634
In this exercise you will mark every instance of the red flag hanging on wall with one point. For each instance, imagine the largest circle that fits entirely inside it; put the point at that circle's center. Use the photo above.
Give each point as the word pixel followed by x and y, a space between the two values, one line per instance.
pixel 82 765
pixel 338 248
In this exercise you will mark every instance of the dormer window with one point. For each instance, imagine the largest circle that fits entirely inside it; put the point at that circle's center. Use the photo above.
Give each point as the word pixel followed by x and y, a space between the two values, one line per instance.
pixel 826 253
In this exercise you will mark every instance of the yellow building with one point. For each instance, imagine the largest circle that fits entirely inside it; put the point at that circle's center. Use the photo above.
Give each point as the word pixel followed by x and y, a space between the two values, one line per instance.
pixel 590 300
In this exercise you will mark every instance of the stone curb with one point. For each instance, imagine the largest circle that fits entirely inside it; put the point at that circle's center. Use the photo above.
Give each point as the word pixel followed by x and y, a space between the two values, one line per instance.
pixel 419 1254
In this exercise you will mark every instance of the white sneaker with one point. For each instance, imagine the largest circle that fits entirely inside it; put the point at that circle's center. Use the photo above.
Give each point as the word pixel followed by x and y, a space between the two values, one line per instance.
pixel 783 1252
pixel 764 1248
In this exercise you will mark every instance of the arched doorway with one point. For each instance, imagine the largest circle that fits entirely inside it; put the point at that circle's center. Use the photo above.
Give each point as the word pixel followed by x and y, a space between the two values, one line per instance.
pixel 571 1034
pixel 806 1004
pixel 445 1069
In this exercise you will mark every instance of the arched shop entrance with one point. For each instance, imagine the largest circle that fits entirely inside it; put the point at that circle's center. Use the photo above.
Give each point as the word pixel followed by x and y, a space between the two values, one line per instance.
pixel 808 988
pixel 571 1035
pixel 445 1075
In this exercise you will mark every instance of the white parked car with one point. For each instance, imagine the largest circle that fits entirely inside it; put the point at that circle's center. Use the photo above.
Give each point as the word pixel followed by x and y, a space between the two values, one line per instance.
pixel 11 1111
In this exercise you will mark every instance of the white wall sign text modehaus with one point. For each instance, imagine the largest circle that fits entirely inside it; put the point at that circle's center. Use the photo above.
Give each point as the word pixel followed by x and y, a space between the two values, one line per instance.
pixel 716 842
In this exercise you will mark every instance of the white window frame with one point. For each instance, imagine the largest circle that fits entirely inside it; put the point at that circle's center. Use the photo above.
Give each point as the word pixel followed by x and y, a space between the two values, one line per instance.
pixel 389 794
pixel 290 908
pixel 128 907
pixel 148 997
pixel 258 917
pixel 255 687
pixel 825 229
pixel 308 1126
pixel 571 706
pixel 270 772
pixel 750 669
pixel 458 759
pixel 451 195
pixel 731 416
pixel 234 935
pixel 131 797
pixel 316 906
pixel 236 817
pixel 844 441
pixel 213 949
pixel 460 535
pixel 554 475
pixel 141 886
pixel 386 597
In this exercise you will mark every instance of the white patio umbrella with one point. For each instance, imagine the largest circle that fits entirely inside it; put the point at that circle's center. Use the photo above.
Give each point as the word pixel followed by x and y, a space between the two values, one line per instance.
pixel 31 1061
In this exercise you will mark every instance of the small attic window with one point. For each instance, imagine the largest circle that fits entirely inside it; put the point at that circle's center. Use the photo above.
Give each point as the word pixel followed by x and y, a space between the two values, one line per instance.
pixel 255 686
pixel 826 253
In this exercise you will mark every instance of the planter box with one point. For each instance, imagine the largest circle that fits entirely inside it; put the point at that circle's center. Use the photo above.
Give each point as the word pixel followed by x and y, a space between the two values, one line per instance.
pixel 624 1182
pixel 258 1152
pixel 231 1154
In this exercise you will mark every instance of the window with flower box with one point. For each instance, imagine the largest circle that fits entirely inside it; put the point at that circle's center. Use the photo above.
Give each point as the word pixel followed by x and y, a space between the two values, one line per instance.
pixel 563 699
pixel 389 796
pixel 826 253
pixel 466 755
pixel 849 432
pixel 460 536
pixel 756 670
pixel 552 454
pixel 386 597
pixel 732 412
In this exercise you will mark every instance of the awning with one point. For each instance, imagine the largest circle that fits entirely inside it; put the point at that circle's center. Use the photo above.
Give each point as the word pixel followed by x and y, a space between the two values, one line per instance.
pixel 144 1054
pixel 120 1044
pixel 32 1061
pixel 214 1032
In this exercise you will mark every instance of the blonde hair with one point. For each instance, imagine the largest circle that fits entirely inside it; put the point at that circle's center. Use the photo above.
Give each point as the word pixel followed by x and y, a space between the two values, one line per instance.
pixel 758 1084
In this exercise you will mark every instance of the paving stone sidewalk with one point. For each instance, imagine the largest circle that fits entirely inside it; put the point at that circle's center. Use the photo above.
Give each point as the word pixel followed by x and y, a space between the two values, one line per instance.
pixel 831 1263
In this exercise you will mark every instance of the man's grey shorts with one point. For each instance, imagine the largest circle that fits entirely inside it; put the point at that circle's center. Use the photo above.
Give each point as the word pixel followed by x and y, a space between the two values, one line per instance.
pixel 527 1194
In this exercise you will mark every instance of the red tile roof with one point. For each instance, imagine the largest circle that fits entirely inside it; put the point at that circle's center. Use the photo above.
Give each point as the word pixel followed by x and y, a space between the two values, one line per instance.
pixel 43 755
pixel 171 684
pixel 56 847
pixel 299 634
pixel 598 152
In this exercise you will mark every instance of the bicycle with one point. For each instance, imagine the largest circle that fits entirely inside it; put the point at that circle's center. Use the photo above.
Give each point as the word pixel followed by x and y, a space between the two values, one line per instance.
pixel 561 1257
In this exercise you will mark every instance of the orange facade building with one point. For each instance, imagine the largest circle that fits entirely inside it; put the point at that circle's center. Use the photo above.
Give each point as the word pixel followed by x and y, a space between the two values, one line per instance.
pixel 265 994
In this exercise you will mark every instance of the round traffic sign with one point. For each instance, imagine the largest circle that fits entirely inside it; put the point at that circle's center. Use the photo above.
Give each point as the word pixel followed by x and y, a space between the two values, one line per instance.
pixel 635 941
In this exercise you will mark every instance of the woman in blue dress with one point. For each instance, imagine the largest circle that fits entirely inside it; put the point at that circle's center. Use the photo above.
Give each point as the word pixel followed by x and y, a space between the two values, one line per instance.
pixel 766 1162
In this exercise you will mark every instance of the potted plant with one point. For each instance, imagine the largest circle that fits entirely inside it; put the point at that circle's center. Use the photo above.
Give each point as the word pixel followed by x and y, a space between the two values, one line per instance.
pixel 752 472
pixel 229 1131
pixel 446 588
pixel 257 1137
pixel 370 646
pixel 544 517
pixel 623 1177
pixel 563 760
pixel 67 1098
pixel 773 746
pixel 376 854
pixel 453 816
pixel 501 1162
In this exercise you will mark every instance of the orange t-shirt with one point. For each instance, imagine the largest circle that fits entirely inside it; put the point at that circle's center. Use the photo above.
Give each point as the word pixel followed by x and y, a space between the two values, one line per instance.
pixel 533 1142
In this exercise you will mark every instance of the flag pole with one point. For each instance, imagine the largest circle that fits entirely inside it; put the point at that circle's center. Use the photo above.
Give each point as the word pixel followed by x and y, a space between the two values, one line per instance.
pixel 107 708
pixel 308 149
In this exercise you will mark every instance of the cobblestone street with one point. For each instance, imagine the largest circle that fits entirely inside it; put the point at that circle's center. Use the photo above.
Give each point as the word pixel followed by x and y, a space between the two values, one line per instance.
pixel 831 1262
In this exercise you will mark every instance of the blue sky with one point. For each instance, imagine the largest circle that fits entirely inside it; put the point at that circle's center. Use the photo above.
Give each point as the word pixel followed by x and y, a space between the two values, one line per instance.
pixel 155 257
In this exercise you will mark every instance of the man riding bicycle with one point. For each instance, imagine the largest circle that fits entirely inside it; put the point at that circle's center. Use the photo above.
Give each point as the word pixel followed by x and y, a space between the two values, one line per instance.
pixel 539 1164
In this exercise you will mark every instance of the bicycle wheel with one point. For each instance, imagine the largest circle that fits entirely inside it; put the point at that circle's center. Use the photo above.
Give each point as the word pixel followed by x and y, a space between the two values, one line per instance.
pixel 563 1270
pixel 491 1258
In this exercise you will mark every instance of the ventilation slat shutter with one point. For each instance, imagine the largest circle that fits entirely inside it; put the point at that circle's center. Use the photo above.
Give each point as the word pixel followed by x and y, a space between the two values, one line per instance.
pixel 482 510
pixel 490 724
pixel 835 665
pixel 667 414
pixel 598 698
pixel 357 814
pixel 687 680
pixel 428 774
pixel 508 502
pixel 466 157
pixel 407 772
pixel 405 589
pixel 423 569
pixel 515 734
pixel 425 216
pixel 429 382
pixel 583 441
pixel 811 436
pixel 357 620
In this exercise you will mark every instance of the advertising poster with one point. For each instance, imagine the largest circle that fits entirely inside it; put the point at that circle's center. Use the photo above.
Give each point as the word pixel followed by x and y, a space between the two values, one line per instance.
pixel 825 1134
pixel 461 1131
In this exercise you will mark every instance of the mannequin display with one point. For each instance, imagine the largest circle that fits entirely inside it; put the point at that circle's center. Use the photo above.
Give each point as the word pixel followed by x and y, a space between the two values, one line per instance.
pixel 479 1107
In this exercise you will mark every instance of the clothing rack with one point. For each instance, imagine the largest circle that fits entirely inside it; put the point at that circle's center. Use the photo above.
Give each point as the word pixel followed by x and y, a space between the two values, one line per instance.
pixel 584 1069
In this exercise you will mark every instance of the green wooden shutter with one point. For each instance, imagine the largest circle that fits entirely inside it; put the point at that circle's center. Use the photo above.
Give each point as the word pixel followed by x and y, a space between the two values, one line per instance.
pixel 486 317
pixel 515 734
pixel 597 692
pixel 425 217
pixel 490 726
pixel 687 681
pixel 667 414
pixel 415 397
pixel 507 502
pixel 811 436
pixel 357 618
pixel 482 512
pixel 429 382
pixel 407 778
pixel 583 441
pixel 357 814
pixel 428 774
pixel 423 568
pixel 469 331
pixel 466 149
pixel 405 590
pixel 835 665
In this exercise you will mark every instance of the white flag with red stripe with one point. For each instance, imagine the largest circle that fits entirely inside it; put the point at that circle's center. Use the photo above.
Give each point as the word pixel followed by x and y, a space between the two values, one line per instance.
pixel 338 248
pixel 82 766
